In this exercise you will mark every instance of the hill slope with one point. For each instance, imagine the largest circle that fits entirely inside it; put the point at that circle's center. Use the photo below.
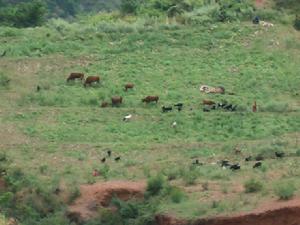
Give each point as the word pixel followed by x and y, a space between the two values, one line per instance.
pixel 59 134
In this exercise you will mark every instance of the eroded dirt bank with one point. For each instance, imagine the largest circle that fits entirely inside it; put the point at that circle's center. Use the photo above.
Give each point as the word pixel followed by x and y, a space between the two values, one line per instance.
pixel 277 213
pixel 99 195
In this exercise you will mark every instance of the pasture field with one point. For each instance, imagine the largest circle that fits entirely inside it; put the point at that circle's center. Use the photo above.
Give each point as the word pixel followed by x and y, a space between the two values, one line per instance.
pixel 59 135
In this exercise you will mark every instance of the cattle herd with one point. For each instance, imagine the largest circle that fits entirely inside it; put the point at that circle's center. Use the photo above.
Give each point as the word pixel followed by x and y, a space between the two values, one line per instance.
pixel 208 105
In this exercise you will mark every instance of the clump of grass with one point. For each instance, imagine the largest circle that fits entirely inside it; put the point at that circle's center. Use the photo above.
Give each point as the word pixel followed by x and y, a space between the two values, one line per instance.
pixel 4 81
pixel 74 194
pixel 275 107
pixel 297 22
pixel 155 185
pixel 190 178
pixel 43 169
pixel 252 186
pixel 285 191
pixel 172 174
pixel 298 152
pixel 176 195
pixel 3 157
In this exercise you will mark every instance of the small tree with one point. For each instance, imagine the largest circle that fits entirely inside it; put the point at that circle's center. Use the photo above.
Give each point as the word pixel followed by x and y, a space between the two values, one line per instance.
pixel 129 6
pixel 30 14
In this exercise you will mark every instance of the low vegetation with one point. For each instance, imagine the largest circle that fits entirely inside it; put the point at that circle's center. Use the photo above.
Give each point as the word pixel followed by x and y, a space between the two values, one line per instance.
pixel 285 190
pixel 252 186
pixel 55 135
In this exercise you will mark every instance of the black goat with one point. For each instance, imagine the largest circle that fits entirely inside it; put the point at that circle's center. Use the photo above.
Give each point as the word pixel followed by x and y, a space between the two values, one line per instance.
pixel 103 160
pixel 166 109
pixel 179 106
pixel 235 167
pixel 249 158
pixel 109 153
pixel 279 154
pixel 197 163
pixel 256 165
pixel 225 163
pixel 117 158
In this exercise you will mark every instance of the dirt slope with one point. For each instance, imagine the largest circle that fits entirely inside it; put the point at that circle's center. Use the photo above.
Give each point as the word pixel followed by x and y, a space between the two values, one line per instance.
pixel 272 213
pixel 99 195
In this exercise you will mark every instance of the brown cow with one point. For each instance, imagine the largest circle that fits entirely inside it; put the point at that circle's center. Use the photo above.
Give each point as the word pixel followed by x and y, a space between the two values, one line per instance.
pixel 74 76
pixel 104 104
pixel 116 100
pixel 129 86
pixel 208 102
pixel 150 99
pixel 91 79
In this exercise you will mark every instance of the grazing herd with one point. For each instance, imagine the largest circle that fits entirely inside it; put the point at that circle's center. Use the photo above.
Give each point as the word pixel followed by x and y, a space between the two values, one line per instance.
pixel 208 105
pixel 258 161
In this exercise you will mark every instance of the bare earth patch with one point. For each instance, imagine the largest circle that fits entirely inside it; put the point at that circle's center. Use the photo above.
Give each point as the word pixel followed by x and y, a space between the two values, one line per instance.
pixel 269 213
pixel 99 195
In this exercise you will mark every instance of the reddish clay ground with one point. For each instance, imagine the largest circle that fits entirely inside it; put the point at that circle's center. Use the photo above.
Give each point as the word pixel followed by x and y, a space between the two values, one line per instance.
pixel 99 195
pixel 272 213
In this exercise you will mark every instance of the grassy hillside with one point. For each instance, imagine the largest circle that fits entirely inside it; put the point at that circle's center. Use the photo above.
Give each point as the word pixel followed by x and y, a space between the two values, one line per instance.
pixel 59 134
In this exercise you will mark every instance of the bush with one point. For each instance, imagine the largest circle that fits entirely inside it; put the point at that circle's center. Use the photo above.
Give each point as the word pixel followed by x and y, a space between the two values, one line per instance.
pixel 230 11
pixel 275 107
pixel 285 191
pixel 4 81
pixel 176 195
pixel 25 14
pixel 129 6
pixel 202 16
pixel 252 186
pixel 155 185
pixel 190 177
pixel 297 23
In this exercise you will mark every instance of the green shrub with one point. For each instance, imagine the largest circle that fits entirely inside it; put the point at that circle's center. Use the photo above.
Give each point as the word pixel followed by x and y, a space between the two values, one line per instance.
pixel 74 194
pixel 231 11
pixel 129 6
pixel 4 81
pixel 297 22
pixel 298 152
pixel 155 185
pixel 285 191
pixel 268 14
pixel 172 174
pixel 25 14
pixel 252 186
pixel 190 178
pixel 176 195
pixel 6 199
pixel 275 107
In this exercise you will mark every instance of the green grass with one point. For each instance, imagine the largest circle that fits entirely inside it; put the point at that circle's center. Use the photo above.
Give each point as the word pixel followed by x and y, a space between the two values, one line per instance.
pixel 60 134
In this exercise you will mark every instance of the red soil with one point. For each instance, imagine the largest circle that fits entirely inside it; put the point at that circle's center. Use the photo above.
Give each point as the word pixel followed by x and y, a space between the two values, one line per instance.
pixel 273 213
pixel 96 196
pixel 99 195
